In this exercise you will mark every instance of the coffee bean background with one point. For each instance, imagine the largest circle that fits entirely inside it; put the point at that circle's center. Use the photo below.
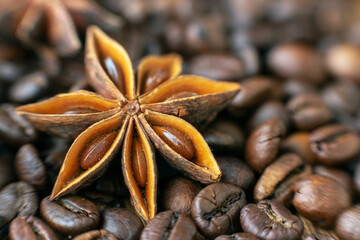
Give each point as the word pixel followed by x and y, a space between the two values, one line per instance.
pixel 288 144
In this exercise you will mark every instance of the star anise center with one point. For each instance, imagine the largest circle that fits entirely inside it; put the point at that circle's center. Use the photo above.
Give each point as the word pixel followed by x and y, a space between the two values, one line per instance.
pixel 132 107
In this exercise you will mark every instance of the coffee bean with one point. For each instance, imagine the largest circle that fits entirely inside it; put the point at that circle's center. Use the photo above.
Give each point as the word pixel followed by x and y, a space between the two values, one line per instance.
pixel 320 199
pixel 347 224
pixel 30 228
pixel 308 111
pixel 101 234
pixel 123 223
pixel 236 172
pixel 263 144
pixel 299 143
pixel 318 236
pixel 293 87
pixel 17 199
pixel 238 236
pixel 70 214
pixel 334 144
pixel 178 195
pixel 270 220
pixel 169 225
pixel 216 208
pixel 29 168
pixel 279 178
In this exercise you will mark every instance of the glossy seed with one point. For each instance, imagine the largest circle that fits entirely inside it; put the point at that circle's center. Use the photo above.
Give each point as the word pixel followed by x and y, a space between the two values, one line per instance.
pixel 181 95
pixel 138 163
pixel 115 73
pixel 177 140
pixel 96 149
pixel 153 78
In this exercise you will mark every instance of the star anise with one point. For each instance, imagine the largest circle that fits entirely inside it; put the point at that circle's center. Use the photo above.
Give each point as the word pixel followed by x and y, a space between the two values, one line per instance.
pixel 129 114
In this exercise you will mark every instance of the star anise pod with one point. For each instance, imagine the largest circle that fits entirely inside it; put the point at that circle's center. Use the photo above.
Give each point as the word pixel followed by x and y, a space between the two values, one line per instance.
pixel 134 116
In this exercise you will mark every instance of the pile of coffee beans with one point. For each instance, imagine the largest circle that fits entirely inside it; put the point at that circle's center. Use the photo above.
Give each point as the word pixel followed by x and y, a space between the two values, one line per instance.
pixel 288 144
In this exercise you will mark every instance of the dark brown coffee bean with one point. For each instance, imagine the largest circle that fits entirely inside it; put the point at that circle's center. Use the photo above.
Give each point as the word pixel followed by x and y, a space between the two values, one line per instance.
pixel 218 67
pixel 298 61
pixel 15 129
pixel 6 172
pixel 238 236
pixel 70 214
pixel 279 178
pixel 320 199
pixel 308 111
pixel 334 144
pixel 101 234
pixel 29 168
pixel 347 224
pixel 293 87
pixel 30 228
pixel 236 172
pixel 171 226
pixel 224 137
pixel 270 220
pixel 263 144
pixel 178 195
pixel 17 199
pixel 216 208
pixel 123 223
pixel 101 200
pixel 299 143
pixel 318 236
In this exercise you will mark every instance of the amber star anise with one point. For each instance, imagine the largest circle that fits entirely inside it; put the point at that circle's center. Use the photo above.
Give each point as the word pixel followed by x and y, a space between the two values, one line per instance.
pixel 129 114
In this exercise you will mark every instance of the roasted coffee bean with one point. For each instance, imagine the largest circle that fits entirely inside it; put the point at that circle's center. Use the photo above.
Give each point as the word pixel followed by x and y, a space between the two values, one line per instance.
pixel 268 110
pixel 318 236
pixel 30 228
pixel 123 223
pixel 70 214
pixel 101 234
pixel 218 66
pixel 334 144
pixel 263 144
pixel 343 60
pixel 224 137
pixel 347 224
pixel 171 226
pixel 216 208
pixel 270 220
pixel 293 87
pixel 297 61
pixel 320 199
pixel 236 172
pixel 238 236
pixel 279 178
pixel 17 199
pixel 15 129
pixel 178 195
pixel 6 172
pixel 29 88
pixel 29 168
pixel 308 111
pixel 299 143
pixel 101 200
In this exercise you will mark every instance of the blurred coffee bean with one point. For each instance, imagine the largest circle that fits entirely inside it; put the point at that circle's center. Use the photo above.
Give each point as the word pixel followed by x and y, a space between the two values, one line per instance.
pixel 169 225
pixel 30 228
pixel 343 61
pixel 270 220
pixel 10 71
pixel 216 208
pixel 279 178
pixel 263 144
pixel 293 88
pixel 6 172
pixel 178 194
pixel 15 129
pixel 29 167
pixel 236 172
pixel 308 111
pixel 29 88
pixel 321 199
pixel 101 234
pixel 334 144
pixel 269 109
pixel 253 92
pixel 244 13
pixel 17 199
pixel 224 137
pixel 123 223
pixel 218 67
pixel 299 143
pixel 238 236
pixel 70 215
pixel 248 55
pixel 297 61
pixel 318 236
pixel 347 224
